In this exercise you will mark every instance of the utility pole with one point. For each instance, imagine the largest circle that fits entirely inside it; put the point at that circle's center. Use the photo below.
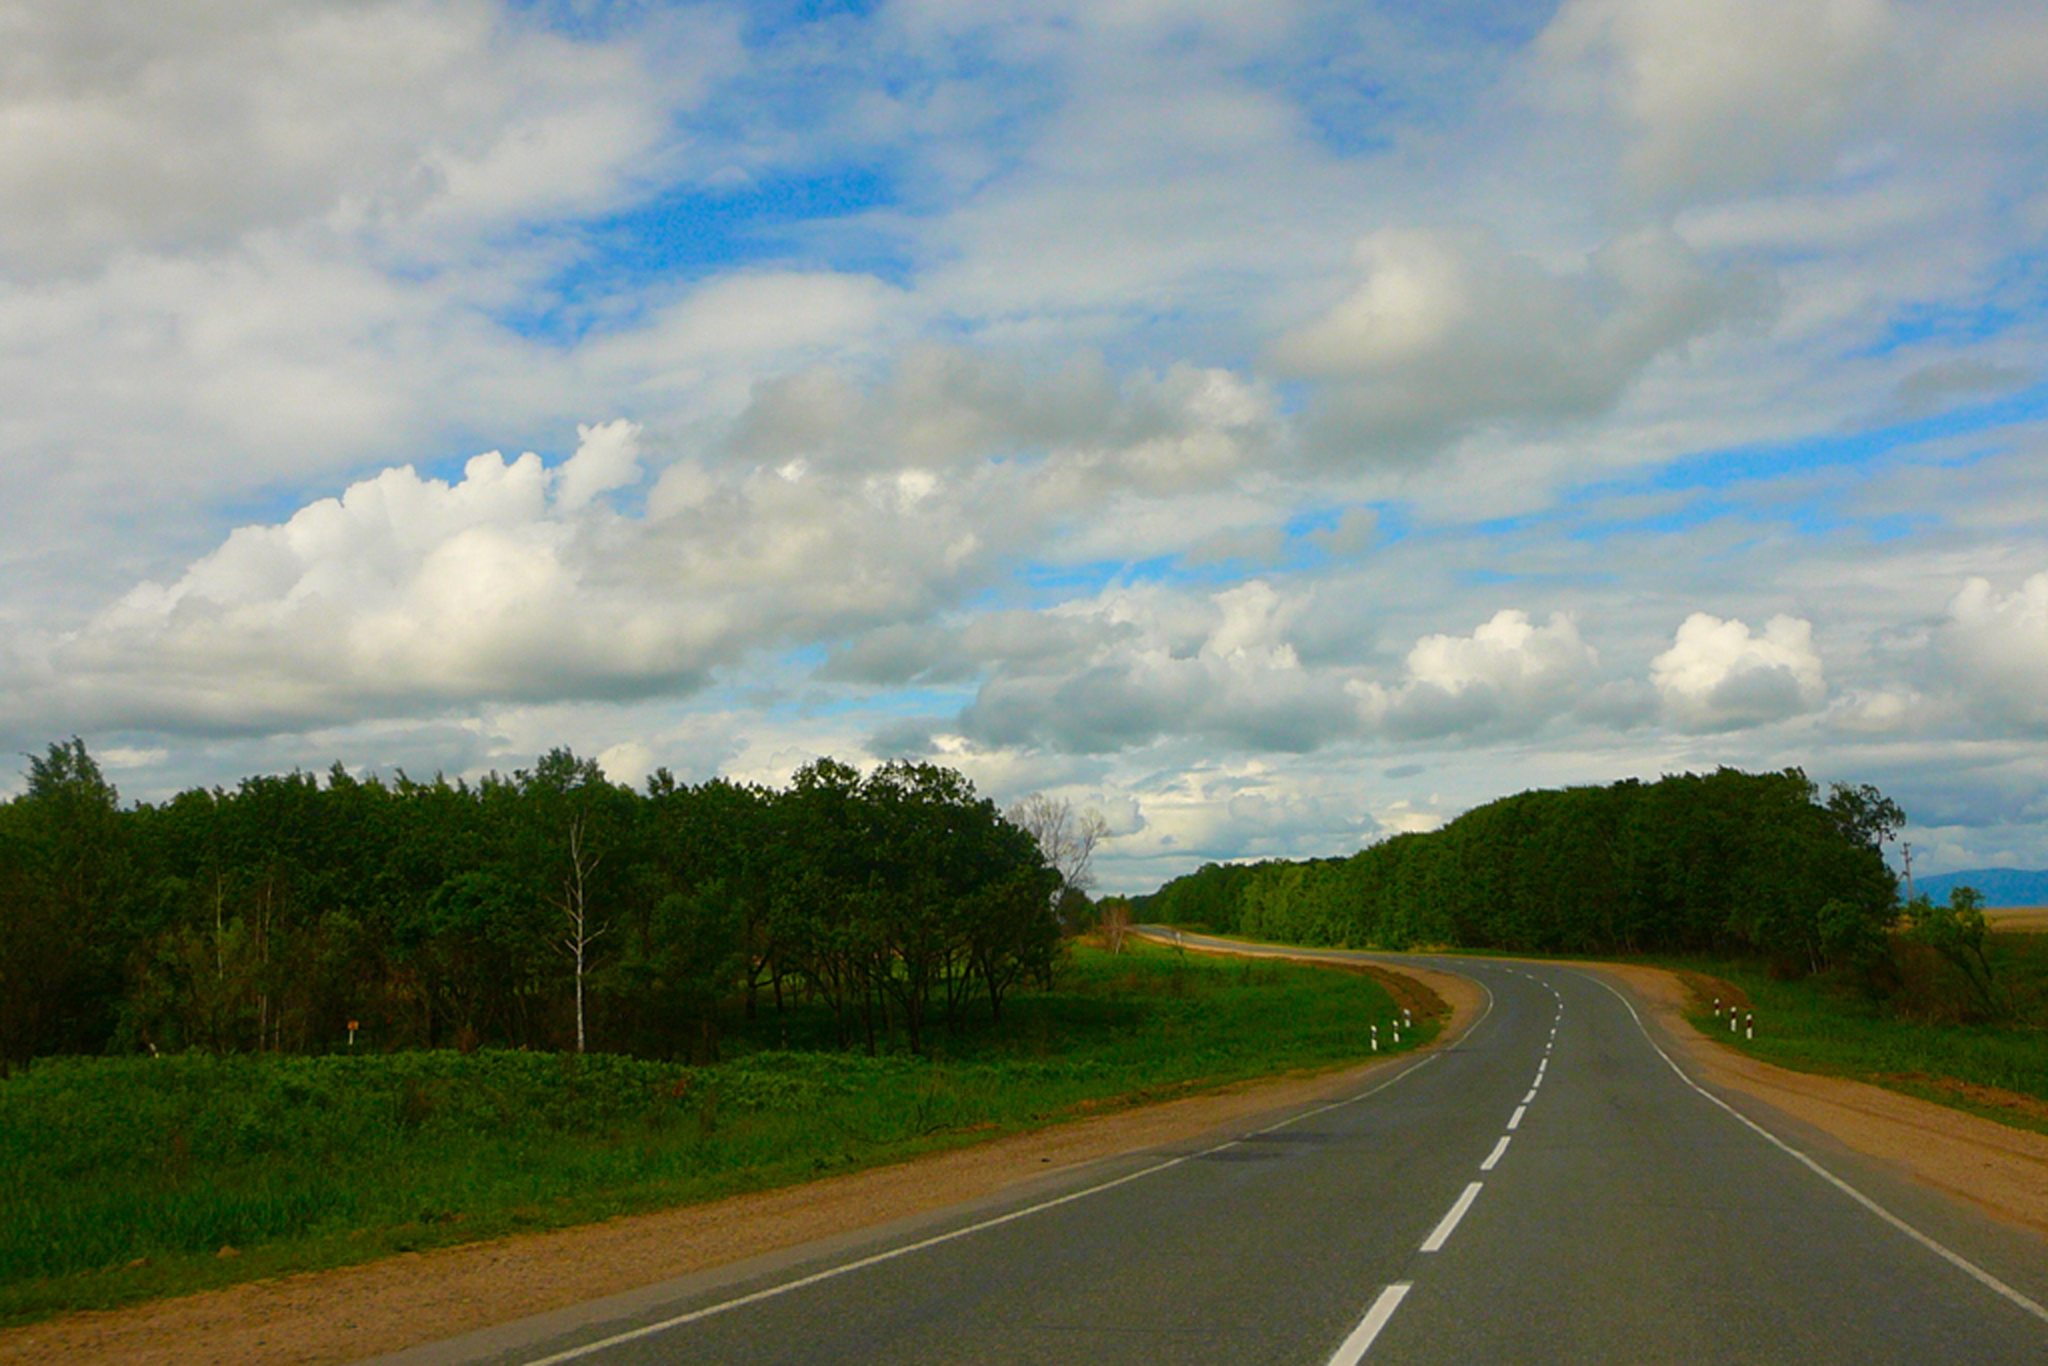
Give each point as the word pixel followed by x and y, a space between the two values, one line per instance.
pixel 1907 848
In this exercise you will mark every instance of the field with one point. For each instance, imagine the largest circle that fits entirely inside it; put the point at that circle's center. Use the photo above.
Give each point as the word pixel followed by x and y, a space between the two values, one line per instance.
pixel 1999 1070
pixel 2018 919
pixel 125 1178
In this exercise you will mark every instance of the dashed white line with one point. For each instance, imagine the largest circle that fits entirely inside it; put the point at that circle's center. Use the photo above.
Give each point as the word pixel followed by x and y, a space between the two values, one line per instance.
pixel 1515 1122
pixel 1526 1099
pixel 1494 1156
pixel 1449 1223
pixel 1361 1339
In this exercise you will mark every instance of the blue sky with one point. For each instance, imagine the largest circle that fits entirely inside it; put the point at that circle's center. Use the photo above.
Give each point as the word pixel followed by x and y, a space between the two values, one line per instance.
pixel 1275 425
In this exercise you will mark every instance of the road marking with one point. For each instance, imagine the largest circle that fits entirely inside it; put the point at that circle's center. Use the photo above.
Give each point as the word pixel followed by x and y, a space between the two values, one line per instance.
pixel 1941 1250
pixel 833 1272
pixel 1515 1122
pixel 1526 1099
pixel 1449 1223
pixel 1360 1342
pixel 1494 1156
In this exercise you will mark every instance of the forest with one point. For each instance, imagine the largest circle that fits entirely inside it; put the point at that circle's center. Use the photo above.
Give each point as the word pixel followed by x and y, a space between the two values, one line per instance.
pixel 547 909
pixel 1727 862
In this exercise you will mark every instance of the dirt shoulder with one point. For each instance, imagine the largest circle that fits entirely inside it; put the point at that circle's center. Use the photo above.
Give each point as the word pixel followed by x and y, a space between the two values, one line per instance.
pixel 360 1311
pixel 1999 1169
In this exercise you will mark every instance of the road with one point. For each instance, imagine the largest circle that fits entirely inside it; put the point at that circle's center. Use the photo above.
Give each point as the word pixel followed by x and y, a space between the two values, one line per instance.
pixel 1550 1188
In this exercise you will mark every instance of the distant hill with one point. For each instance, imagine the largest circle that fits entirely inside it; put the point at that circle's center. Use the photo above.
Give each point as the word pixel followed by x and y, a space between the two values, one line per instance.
pixel 2001 886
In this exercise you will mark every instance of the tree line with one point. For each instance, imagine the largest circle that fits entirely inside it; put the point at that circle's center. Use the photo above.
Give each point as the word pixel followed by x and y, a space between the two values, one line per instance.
pixel 551 908
pixel 1729 861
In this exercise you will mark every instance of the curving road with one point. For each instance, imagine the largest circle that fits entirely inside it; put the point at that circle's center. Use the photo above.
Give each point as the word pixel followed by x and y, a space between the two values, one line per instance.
pixel 1550 1188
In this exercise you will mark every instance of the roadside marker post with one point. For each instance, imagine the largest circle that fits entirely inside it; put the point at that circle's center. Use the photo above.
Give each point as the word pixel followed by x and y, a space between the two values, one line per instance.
pixel 351 1034
pixel 1749 1027
pixel 1375 1038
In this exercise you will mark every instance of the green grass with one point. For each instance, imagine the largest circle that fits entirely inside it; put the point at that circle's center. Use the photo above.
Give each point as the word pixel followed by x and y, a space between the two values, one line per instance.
pixel 1821 1025
pixel 124 1178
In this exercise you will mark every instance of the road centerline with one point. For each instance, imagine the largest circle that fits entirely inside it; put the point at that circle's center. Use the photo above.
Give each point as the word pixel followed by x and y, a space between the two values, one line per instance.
pixel 1448 1225
pixel 1354 1347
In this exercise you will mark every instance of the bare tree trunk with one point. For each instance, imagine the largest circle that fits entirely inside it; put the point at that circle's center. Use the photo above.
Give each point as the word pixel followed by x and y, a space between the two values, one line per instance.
pixel 576 903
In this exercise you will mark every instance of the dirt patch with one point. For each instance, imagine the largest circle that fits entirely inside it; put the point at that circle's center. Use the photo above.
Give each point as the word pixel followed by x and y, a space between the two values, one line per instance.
pixel 354 1312
pixel 2001 1170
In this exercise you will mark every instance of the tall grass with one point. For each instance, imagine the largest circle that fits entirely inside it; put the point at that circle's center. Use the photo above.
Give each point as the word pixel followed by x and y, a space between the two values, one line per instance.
pixel 126 1177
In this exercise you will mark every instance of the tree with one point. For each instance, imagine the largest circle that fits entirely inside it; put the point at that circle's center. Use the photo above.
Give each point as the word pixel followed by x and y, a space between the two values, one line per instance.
pixel 572 805
pixel 1957 932
pixel 1067 836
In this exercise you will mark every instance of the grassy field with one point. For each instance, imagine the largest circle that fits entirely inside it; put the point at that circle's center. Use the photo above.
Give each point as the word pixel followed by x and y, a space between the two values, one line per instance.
pixel 126 1178
pixel 1996 1069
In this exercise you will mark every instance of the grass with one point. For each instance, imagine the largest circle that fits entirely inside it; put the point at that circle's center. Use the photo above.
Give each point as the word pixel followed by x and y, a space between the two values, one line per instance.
pixel 1913 1042
pixel 129 1178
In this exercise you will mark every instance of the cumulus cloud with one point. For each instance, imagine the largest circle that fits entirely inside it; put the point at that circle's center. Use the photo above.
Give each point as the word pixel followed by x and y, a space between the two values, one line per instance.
pixel 1138 666
pixel 516 582
pixel 1995 648
pixel 1450 331
pixel 1221 666
pixel 1732 96
pixel 1509 673
pixel 1718 676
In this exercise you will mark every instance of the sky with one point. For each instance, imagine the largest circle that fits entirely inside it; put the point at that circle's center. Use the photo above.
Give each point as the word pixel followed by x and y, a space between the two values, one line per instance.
pixel 1274 425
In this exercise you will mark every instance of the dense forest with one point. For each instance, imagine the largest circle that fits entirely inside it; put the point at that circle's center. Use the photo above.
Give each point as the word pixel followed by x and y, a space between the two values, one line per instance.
pixel 1727 861
pixel 548 909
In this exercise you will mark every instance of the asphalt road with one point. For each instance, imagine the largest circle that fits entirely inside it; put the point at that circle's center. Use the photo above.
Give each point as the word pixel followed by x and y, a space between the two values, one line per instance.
pixel 1548 1189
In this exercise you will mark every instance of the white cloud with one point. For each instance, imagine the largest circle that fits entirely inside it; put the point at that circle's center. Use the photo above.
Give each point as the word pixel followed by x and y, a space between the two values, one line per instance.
pixel 1509 673
pixel 513 582
pixel 1995 648
pixel 1450 331
pixel 1717 676
pixel 941 406
pixel 608 458
pixel 1732 95
pixel 158 130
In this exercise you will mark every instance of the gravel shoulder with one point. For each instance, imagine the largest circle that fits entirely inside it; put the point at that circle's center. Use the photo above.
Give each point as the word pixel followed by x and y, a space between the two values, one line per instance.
pixel 355 1312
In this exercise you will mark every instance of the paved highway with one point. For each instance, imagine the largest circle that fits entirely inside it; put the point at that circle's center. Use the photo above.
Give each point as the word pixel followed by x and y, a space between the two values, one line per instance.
pixel 1550 1188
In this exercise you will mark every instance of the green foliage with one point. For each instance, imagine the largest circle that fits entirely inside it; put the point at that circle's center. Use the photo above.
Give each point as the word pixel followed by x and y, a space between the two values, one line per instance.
pixel 310 1160
pixel 529 911
pixel 1727 861
pixel 1957 931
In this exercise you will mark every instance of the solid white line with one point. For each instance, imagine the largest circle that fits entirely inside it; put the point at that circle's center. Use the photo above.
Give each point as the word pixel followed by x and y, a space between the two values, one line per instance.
pixel 1360 1342
pixel 1941 1250
pixel 1494 1156
pixel 1515 1122
pixel 1449 1223
pixel 832 1272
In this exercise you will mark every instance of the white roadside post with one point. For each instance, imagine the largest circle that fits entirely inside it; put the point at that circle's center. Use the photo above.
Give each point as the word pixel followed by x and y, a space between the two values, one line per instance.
pixel 1375 1038
pixel 1749 1026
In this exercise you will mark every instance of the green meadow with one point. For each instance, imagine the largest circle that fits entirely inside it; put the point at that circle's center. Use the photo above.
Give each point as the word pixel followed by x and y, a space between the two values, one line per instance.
pixel 1918 1039
pixel 131 1177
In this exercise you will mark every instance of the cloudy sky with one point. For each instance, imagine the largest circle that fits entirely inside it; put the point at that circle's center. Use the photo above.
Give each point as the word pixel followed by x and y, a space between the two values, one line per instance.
pixel 1275 424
